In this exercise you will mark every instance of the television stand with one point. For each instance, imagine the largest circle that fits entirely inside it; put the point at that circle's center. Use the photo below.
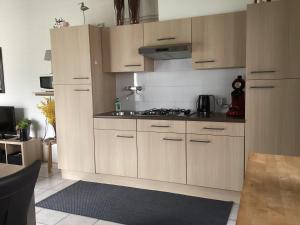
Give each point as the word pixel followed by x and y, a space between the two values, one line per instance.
pixel 22 153
pixel 6 137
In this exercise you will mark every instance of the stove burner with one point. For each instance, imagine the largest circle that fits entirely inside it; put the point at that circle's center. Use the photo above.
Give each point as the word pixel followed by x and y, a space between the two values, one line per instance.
pixel 166 112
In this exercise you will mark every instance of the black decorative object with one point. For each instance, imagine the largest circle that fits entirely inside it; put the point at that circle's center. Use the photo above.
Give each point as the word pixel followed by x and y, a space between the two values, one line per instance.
pixel 2 87
pixel 83 8
pixel 134 11
pixel 119 8
pixel 24 134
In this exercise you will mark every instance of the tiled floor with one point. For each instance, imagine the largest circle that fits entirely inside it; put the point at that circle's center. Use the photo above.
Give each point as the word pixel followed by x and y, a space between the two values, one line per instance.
pixel 48 186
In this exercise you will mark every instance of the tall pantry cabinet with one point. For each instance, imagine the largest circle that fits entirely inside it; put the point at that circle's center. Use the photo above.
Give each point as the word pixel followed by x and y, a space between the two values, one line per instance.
pixel 273 78
pixel 81 90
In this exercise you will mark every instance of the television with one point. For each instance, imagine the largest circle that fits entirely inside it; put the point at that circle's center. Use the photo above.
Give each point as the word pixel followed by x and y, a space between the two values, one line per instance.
pixel 7 121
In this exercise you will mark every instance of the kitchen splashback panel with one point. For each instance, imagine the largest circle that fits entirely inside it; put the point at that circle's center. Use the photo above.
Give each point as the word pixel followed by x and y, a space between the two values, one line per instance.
pixel 175 85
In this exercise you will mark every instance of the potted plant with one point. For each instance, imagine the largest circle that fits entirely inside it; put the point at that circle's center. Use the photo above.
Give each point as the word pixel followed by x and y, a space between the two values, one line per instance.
pixel 23 128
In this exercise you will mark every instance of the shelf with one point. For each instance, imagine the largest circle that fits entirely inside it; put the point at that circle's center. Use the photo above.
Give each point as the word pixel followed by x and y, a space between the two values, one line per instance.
pixel 44 93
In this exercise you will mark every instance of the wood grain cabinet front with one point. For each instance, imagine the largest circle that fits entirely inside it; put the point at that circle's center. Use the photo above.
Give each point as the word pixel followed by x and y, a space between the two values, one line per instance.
pixel 273 40
pixel 167 32
pixel 272 117
pixel 219 41
pixel 162 157
pixel 215 161
pixel 71 55
pixel 74 121
pixel 116 152
pixel 120 49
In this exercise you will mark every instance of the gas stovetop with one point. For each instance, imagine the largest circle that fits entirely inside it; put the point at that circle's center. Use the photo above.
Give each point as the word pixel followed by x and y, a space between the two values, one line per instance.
pixel 166 112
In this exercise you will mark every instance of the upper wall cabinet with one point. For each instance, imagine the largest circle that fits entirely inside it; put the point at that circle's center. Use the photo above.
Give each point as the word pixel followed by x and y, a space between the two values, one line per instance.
pixel 167 32
pixel 120 49
pixel 219 41
pixel 273 40
pixel 266 40
pixel 71 59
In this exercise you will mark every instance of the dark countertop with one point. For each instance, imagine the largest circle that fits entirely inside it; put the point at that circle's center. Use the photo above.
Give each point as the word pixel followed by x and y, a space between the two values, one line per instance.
pixel 214 117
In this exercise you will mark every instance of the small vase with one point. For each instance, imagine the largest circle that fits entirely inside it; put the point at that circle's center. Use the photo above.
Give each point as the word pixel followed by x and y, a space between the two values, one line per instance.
pixel 134 11
pixel 24 134
pixel 119 9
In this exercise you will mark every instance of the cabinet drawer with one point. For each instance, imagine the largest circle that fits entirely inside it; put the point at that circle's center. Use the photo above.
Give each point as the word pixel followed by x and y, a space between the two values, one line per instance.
pixel 216 128
pixel 215 161
pixel 161 126
pixel 114 124
pixel 162 157
pixel 168 32
pixel 116 152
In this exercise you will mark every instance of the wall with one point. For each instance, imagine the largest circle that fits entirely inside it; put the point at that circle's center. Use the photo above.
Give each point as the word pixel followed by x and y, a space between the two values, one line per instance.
pixel 24 37
pixel 172 9
pixel 175 85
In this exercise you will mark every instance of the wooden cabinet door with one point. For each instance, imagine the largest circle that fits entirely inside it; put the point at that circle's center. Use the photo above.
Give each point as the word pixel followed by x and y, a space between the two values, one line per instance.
pixel 267 38
pixel 215 161
pixel 162 157
pixel 167 32
pixel 116 152
pixel 290 119
pixel 219 41
pixel 75 139
pixel 294 38
pixel 120 49
pixel 71 59
pixel 264 115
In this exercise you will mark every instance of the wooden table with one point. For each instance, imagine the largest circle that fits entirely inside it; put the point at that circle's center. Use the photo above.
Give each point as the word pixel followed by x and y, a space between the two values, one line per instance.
pixel 7 169
pixel 271 193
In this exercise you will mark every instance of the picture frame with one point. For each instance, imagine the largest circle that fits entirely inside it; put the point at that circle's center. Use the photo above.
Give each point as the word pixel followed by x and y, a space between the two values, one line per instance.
pixel 2 85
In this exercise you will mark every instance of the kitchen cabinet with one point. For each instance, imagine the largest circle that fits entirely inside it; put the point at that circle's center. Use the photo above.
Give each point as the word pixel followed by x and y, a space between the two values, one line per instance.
pixel 71 55
pixel 215 161
pixel 74 123
pixel 81 90
pixel 167 32
pixel 165 126
pixel 272 117
pixel 115 124
pixel 219 41
pixel 273 46
pixel 162 156
pixel 116 152
pixel 120 49
pixel 294 38
pixel 216 128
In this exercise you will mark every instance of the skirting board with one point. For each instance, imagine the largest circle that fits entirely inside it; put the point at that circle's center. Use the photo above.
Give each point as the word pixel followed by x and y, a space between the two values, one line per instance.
pixel 190 190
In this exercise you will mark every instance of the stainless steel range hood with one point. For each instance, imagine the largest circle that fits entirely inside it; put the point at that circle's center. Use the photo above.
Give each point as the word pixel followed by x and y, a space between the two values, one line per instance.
pixel 165 52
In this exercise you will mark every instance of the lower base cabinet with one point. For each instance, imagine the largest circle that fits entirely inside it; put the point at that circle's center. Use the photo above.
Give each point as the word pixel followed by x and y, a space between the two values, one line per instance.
pixel 162 156
pixel 116 152
pixel 215 161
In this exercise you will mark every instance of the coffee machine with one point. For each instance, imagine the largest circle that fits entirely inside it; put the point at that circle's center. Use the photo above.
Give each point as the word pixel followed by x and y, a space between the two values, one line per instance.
pixel 237 108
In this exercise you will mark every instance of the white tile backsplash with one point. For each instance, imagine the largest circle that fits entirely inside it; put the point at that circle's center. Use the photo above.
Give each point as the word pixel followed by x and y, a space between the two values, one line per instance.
pixel 175 84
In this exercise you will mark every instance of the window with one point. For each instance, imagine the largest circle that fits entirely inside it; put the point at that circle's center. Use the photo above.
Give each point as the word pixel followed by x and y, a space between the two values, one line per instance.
pixel 2 87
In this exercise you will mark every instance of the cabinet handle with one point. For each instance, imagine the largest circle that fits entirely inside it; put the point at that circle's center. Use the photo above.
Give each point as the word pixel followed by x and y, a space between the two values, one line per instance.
pixel 160 126
pixel 262 87
pixel 211 128
pixel 205 61
pixel 81 90
pixel 121 136
pixel 172 139
pixel 133 65
pixel 81 78
pixel 200 141
pixel 263 71
pixel 166 38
